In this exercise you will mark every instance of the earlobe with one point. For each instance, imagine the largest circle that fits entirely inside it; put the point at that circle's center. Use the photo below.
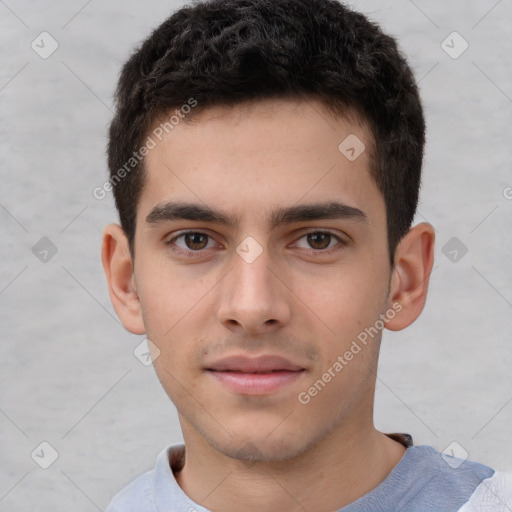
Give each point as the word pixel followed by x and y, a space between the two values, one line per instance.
pixel 118 267
pixel 414 259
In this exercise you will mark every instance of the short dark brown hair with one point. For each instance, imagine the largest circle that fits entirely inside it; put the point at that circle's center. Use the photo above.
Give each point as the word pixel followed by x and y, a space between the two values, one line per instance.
pixel 224 52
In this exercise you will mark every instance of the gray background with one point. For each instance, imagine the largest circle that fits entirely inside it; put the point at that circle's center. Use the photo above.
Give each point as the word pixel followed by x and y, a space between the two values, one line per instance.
pixel 68 373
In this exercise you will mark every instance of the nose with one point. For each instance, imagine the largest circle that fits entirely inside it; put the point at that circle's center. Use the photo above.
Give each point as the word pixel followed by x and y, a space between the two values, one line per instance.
pixel 253 297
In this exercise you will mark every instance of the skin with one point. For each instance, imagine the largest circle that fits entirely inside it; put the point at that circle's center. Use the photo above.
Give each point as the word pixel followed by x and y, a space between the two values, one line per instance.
pixel 268 452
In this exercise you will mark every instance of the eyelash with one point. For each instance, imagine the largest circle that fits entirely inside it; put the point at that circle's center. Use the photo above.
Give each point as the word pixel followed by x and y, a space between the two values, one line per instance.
pixel 192 254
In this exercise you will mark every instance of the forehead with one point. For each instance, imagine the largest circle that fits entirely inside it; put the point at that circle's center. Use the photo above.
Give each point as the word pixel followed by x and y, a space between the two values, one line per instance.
pixel 272 152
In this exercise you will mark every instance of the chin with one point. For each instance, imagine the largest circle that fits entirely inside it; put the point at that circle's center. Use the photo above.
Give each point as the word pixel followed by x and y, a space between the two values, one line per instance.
pixel 262 449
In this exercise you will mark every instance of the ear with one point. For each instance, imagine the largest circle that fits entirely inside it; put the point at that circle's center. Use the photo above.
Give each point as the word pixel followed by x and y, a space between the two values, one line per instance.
pixel 414 258
pixel 118 266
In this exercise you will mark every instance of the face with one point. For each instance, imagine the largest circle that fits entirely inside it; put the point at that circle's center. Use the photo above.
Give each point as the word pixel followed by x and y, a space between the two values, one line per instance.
pixel 261 258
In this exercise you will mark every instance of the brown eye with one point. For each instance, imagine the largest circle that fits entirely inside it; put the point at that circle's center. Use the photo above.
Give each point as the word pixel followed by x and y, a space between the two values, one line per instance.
pixel 319 240
pixel 191 242
pixel 195 241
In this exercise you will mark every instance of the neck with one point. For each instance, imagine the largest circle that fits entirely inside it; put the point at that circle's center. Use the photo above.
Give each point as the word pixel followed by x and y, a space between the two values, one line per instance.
pixel 341 468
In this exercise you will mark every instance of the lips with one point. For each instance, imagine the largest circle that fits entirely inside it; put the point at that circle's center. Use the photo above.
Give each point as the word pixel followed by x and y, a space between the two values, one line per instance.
pixel 262 364
pixel 255 376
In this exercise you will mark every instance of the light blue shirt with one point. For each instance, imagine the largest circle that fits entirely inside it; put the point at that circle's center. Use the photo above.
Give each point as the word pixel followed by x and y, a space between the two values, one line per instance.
pixel 422 481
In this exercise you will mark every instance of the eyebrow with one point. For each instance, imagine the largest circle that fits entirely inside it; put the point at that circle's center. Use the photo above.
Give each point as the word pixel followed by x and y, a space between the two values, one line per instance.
pixel 171 211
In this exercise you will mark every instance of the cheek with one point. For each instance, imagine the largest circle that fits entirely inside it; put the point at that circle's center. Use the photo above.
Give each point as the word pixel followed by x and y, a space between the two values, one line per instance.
pixel 342 304
pixel 168 296
pixel 348 344
pixel 174 309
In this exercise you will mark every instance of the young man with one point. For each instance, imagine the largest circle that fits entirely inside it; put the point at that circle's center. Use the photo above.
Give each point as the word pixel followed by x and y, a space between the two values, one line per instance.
pixel 265 158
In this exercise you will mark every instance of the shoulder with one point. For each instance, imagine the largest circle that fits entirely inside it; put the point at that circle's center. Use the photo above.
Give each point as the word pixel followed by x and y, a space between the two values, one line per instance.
pixel 429 480
pixel 493 494
pixel 139 494
pixel 135 496
pixel 426 460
